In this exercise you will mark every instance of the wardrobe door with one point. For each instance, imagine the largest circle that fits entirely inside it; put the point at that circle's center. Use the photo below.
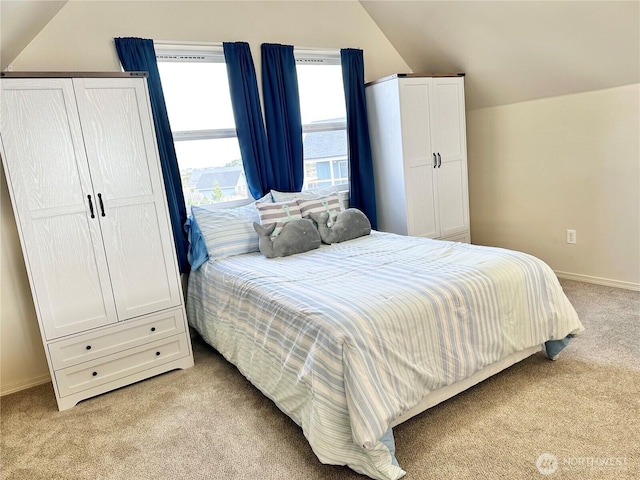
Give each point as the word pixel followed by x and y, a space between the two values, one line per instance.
pixel 422 203
pixel 50 186
pixel 449 142
pixel 121 149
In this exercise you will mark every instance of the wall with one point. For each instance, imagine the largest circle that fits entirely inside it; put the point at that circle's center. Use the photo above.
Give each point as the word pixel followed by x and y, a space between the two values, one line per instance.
pixel 541 167
pixel 80 37
pixel 22 360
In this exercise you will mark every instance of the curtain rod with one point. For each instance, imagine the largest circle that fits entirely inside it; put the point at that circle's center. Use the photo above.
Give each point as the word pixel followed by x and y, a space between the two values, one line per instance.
pixel 75 74
pixel 185 43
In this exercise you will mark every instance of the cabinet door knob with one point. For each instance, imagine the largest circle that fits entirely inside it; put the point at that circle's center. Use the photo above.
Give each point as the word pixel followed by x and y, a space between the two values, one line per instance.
pixel 88 347
pixel 435 162
pixel 91 206
pixel 94 373
pixel 101 204
pixel 439 160
pixel 153 329
pixel 157 354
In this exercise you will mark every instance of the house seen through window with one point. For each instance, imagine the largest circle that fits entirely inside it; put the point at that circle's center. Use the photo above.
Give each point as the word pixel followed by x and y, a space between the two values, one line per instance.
pixel 323 110
pixel 196 90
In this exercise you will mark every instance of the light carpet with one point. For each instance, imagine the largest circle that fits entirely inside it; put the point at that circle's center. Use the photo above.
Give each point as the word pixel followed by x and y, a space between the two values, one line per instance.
pixel 208 422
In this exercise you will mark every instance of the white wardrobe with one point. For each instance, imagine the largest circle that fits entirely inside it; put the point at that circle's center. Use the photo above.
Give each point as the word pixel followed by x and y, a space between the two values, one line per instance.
pixel 82 166
pixel 418 141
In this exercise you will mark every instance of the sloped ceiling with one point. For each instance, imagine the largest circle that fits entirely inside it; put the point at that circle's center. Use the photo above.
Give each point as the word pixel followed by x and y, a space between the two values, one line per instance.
pixel 20 22
pixel 510 51
pixel 513 51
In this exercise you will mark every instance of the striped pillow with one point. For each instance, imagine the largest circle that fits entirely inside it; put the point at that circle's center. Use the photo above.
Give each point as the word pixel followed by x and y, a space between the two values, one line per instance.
pixel 278 213
pixel 329 204
pixel 306 195
pixel 227 231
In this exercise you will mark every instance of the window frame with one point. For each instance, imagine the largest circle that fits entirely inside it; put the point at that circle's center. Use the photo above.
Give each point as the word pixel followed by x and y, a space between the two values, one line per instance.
pixel 214 53
pixel 193 52
pixel 200 53
pixel 315 56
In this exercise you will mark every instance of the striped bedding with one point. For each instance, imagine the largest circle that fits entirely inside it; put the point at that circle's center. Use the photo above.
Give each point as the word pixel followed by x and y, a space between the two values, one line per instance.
pixel 346 338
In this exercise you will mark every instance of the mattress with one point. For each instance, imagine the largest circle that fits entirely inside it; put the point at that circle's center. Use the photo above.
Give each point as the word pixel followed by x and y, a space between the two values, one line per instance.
pixel 347 338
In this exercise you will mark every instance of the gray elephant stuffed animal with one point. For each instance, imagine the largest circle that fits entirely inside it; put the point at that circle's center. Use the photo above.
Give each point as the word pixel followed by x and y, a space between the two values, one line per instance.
pixel 349 224
pixel 296 236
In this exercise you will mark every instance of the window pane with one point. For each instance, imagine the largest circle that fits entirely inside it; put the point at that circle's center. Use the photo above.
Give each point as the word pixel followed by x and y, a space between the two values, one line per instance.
pixel 340 172
pixel 197 95
pixel 324 171
pixel 321 93
pixel 325 159
pixel 211 171
pixel 321 101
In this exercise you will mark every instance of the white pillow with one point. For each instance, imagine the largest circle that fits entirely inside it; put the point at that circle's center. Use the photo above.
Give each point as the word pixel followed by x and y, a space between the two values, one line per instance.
pixel 278 213
pixel 266 198
pixel 227 231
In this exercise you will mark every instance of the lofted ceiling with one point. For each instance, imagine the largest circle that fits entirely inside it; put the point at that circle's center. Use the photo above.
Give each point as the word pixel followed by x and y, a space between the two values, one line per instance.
pixel 20 22
pixel 510 51
pixel 513 51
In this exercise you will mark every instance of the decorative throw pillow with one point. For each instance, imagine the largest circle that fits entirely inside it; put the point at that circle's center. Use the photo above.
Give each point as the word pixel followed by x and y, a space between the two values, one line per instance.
pixel 330 205
pixel 343 195
pixel 307 194
pixel 197 252
pixel 297 236
pixel 278 213
pixel 227 231
pixel 350 224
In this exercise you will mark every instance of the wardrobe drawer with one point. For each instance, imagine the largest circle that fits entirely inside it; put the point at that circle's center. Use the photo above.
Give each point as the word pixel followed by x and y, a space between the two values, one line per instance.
pixel 113 367
pixel 460 237
pixel 113 339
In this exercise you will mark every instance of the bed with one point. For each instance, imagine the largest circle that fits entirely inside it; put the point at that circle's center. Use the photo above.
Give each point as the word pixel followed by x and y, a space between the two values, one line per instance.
pixel 352 338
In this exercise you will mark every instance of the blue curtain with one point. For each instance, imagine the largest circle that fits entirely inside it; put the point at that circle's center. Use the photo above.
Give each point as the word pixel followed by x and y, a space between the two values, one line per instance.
pixel 138 54
pixel 362 193
pixel 282 116
pixel 247 113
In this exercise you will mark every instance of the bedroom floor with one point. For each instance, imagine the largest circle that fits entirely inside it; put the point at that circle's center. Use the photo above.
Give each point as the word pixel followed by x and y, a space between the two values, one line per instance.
pixel 208 422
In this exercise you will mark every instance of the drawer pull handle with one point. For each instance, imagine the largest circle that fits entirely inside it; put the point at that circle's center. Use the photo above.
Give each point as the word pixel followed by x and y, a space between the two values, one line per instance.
pixel 153 329
pixel 88 347
pixel 157 354
pixel 94 373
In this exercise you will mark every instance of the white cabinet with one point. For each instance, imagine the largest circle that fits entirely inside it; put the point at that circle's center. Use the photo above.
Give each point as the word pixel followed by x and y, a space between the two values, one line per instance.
pixel 418 141
pixel 82 166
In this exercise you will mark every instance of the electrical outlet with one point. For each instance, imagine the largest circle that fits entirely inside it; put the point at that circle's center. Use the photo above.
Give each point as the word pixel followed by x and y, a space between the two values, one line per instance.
pixel 571 237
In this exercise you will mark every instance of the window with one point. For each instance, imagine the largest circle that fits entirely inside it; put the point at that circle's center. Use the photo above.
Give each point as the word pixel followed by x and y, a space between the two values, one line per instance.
pixel 196 91
pixel 324 126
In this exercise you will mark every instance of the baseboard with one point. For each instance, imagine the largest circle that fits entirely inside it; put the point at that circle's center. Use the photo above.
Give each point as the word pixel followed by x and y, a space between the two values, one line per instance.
pixel 16 387
pixel 599 281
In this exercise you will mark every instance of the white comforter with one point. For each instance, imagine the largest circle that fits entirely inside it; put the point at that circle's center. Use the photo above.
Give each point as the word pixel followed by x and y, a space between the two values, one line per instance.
pixel 346 338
